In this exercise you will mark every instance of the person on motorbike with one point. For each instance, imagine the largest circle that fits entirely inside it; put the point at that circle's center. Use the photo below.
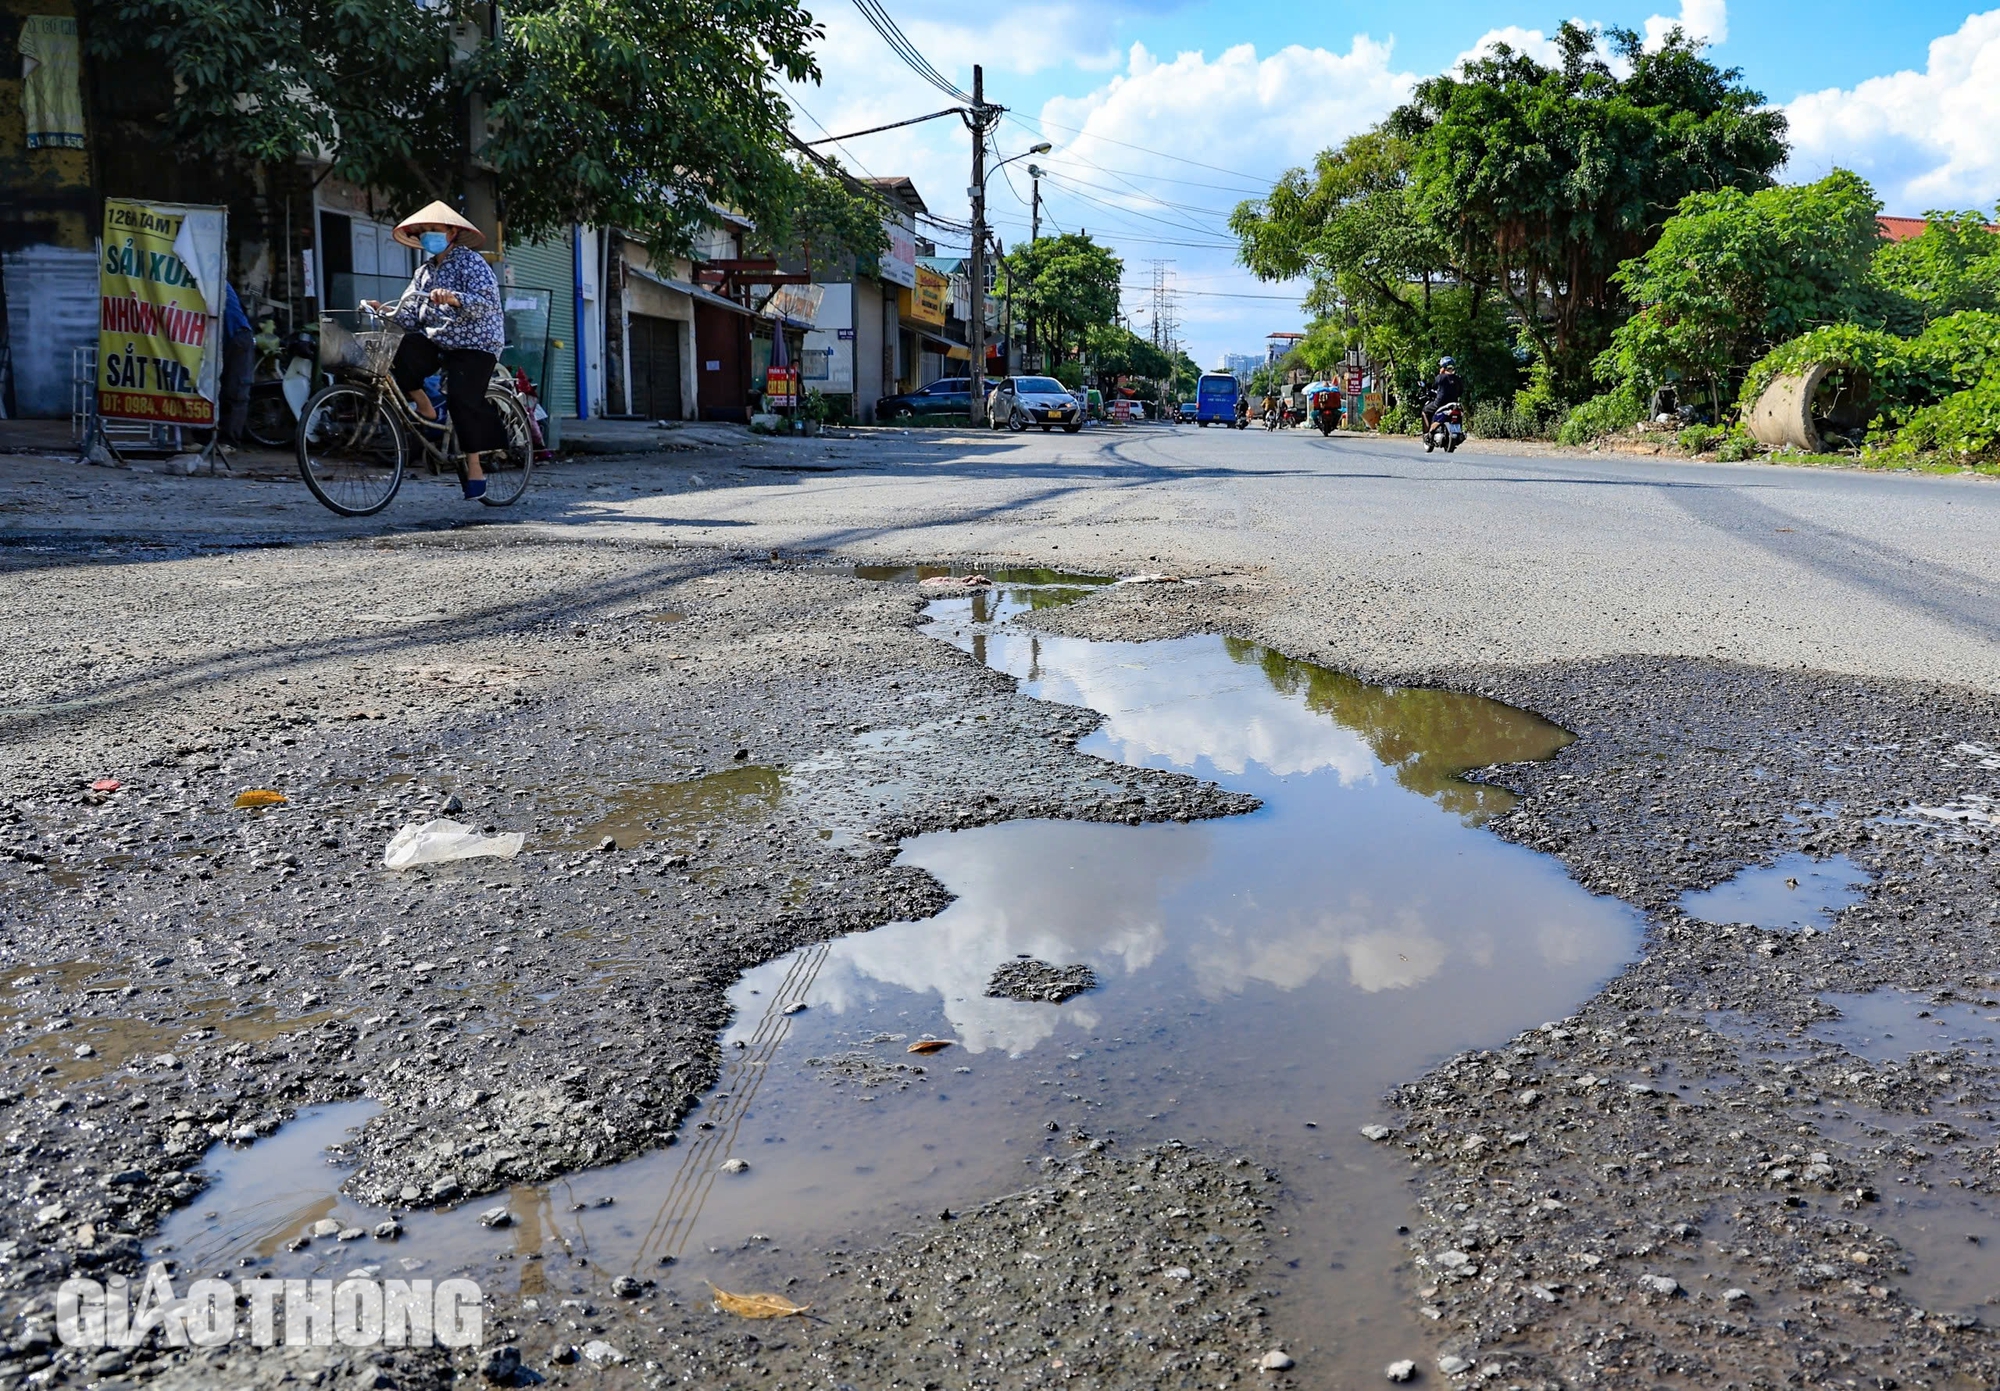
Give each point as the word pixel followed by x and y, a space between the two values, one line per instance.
pixel 1242 410
pixel 1447 389
pixel 453 320
pixel 1270 405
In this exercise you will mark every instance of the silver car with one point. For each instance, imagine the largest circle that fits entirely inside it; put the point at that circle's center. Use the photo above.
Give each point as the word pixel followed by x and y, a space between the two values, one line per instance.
pixel 1018 402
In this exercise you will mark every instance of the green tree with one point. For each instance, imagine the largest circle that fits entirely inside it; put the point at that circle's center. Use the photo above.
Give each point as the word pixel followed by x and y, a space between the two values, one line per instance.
pixel 635 113
pixel 832 225
pixel 1381 278
pixel 1734 273
pixel 1954 264
pixel 1542 180
pixel 1063 286
pixel 1116 351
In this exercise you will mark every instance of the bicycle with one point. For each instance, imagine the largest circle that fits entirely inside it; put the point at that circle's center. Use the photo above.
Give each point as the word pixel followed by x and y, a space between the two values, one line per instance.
pixel 354 436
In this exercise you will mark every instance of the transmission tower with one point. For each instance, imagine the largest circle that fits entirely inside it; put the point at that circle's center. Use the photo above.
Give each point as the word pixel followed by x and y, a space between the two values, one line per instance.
pixel 1166 315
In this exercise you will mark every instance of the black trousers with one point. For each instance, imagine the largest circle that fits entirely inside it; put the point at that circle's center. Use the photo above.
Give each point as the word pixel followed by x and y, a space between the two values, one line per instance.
pixel 239 361
pixel 466 374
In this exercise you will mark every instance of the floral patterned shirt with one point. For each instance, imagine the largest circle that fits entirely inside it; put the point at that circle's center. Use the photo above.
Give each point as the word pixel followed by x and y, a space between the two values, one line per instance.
pixel 475 322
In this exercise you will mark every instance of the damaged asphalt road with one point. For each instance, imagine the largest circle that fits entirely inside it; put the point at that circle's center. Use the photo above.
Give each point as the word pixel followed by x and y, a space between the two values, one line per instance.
pixel 181 972
pixel 1692 1178
pixel 1678 1182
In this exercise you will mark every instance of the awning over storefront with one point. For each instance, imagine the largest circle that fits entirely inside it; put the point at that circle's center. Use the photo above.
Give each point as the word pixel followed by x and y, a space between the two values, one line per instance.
pixel 694 291
pixel 937 343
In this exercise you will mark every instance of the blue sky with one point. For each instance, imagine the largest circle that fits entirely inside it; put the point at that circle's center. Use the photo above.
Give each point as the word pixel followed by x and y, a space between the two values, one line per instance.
pixel 1164 116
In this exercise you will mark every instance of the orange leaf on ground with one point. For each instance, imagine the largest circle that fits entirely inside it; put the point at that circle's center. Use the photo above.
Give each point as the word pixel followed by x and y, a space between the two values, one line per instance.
pixel 756 1306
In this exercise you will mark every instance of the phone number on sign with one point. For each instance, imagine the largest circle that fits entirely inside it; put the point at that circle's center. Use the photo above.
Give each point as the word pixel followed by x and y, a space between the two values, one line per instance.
pixel 175 410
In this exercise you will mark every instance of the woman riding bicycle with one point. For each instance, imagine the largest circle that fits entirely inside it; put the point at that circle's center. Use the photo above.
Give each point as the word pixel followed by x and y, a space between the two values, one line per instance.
pixel 452 314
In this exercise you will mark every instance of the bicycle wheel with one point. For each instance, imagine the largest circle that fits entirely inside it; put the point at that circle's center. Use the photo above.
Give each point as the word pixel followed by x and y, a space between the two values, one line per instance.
pixel 351 450
pixel 269 422
pixel 507 469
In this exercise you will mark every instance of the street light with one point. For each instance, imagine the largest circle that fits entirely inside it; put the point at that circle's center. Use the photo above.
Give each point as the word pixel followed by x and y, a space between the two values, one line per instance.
pixel 976 331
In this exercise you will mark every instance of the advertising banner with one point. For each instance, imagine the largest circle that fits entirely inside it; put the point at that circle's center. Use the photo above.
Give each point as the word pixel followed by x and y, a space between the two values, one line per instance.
pixel 781 387
pixel 927 301
pixel 160 296
pixel 798 303
pixel 899 258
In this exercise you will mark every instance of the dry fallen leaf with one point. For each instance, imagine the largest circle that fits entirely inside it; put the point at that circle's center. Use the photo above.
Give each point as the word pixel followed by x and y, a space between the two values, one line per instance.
pixel 930 1045
pixel 260 797
pixel 756 1306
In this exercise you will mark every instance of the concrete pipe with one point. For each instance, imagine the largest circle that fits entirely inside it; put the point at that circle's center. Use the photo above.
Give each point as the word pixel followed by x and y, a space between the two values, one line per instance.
pixel 1783 414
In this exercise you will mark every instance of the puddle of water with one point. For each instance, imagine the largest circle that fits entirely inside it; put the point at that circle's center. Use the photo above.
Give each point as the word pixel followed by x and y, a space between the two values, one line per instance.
pixel 1005 575
pixel 1951 1238
pixel 1796 892
pixel 113 1043
pixel 1948 1231
pixel 666 616
pixel 267 1195
pixel 1263 980
pixel 679 810
pixel 1892 1025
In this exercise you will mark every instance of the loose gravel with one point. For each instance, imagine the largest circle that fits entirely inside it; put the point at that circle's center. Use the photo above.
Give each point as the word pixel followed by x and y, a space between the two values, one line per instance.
pixel 1677 1182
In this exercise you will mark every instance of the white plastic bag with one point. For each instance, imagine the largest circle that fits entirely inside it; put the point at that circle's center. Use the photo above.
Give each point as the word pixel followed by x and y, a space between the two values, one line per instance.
pixel 437 841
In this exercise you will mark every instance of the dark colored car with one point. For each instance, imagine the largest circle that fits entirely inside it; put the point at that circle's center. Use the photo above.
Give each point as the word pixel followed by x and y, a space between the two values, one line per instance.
pixel 945 396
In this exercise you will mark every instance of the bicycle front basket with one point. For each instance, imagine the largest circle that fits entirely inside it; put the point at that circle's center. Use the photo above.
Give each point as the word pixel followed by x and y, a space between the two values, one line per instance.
pixel 378 349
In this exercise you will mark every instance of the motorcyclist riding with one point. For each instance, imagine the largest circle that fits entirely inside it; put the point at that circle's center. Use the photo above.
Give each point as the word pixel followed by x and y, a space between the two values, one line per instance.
pixel 1447 389
pixel 1242 410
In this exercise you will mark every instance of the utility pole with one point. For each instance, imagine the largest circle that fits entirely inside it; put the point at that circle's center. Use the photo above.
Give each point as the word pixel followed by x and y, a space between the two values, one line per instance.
pixel 976 331
pixel 1035 205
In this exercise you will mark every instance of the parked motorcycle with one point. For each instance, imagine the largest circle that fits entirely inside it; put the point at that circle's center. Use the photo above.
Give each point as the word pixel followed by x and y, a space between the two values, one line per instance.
pixel 1447 428
pixel 275 402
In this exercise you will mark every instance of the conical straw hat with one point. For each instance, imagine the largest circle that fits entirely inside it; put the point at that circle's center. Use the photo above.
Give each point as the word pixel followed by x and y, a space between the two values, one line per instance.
pixel 439 214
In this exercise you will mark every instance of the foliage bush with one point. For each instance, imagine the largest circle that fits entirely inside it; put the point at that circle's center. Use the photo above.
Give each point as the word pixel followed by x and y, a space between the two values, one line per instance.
pixel 1400 419
pixel 1953 265
pixel 1699 439
pixel 1736 447
pixel 1964 426
pixel 1900 375
pixel 1735 273
pixel 1526 417
pixel 1620 408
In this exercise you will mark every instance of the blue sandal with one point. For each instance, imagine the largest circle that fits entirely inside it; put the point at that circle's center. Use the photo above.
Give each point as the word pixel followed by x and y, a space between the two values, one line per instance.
pixel 475 488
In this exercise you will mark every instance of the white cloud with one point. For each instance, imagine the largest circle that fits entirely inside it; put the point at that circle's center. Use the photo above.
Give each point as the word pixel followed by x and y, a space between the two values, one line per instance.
pixel 1532 42
pixel 1925 139
pixel 1238 111
pixel 1251 116
pixel 1707 20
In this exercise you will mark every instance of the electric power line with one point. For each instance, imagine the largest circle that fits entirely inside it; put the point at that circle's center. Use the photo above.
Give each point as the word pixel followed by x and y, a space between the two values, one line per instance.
pixel 1212 294
pixel 1214 241
pixel 893 125
pixel 878 19
pixel 1159 154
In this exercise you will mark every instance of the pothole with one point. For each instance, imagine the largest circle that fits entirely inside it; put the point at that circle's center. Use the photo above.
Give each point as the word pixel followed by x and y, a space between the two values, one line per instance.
pixel 1261 980
pixel 1882 1090
pixel 680 810
pixel 1793 893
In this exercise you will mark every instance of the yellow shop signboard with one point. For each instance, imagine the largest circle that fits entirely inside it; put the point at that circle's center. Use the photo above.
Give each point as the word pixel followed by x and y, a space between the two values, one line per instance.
pixel 160 288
